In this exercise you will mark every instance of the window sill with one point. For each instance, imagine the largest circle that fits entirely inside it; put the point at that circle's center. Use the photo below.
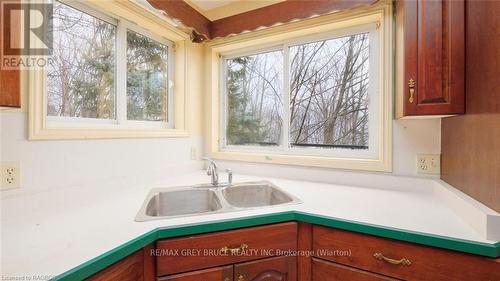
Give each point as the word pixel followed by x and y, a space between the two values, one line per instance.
pixel 383 164
pixel 78 133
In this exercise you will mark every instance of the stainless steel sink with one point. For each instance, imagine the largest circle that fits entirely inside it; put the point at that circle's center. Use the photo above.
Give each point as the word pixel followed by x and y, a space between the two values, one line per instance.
pixel 180 202
pixel 205 199
pixel 257 194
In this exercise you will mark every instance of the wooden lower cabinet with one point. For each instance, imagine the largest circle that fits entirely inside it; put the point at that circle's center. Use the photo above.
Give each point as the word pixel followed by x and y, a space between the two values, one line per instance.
pixel 251 254
pixel 130 268
pixel 329 271
pixel 222 248
pixel 270 269
pixel 223 273
pixel 401 260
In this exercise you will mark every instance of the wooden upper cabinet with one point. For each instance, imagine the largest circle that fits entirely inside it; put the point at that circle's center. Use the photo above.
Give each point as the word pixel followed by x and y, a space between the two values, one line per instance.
pixel 10 93
pixel 10 86
pixel 430 57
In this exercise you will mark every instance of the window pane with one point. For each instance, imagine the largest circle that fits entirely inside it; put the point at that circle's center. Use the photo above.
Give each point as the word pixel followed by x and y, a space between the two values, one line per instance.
pixel 81 75
pixel 328 93
pixel 146 78
pixel 254 99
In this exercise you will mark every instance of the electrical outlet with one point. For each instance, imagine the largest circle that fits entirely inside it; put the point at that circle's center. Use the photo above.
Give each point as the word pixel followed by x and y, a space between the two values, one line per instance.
pixel 429 164
pixel 11 175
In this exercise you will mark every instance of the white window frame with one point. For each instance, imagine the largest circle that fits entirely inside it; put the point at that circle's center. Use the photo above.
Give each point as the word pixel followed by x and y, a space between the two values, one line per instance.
pixel 125 15
pixel 120 83
pixel 284 147
pixel 379 155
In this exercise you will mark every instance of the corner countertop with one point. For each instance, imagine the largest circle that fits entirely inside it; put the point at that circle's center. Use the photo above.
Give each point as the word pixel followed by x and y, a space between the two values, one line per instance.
pixel 77 231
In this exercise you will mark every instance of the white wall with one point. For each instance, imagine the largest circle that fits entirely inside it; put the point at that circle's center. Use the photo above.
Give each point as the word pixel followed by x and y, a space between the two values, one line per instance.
pixel 412 137
pixel 47 164
pixel 75 162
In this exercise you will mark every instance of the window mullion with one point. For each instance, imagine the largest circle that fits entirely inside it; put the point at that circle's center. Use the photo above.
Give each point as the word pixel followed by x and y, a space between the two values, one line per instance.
pixel 170 86
pixel 224 105
pixel 286 99
pixel 121 73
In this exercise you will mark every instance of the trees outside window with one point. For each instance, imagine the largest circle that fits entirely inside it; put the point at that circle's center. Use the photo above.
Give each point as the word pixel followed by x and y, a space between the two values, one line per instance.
pixel 81 75
pixel 326 94
pixel 84 80
pixel 254 97
pixel 146 78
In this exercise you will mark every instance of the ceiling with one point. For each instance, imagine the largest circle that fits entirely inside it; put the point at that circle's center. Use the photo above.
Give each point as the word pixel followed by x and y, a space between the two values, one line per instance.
pixel 217 9
pixel 205 5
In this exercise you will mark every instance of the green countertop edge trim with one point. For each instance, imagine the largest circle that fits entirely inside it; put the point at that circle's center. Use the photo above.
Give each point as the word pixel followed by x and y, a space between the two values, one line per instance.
pixel 97 264
pixel 449 243
pixel 100 262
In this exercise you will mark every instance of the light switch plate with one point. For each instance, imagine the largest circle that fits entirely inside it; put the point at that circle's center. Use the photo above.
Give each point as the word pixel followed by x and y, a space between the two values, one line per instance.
pixel 194 153
pixel 429 164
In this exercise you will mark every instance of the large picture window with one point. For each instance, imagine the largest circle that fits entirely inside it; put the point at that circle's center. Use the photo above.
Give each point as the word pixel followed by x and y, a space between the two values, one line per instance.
pixel 107 72
pixel 312 96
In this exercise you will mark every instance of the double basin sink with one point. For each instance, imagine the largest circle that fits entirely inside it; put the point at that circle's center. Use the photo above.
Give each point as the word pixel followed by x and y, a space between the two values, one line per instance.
pixel 206 199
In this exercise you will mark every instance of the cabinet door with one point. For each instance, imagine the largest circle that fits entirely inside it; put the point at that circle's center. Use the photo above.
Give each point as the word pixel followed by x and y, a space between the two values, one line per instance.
pixel 226 247
pixel 10 92
pixel 328 271
pixel 401 260
pixel 431 37
pixel 224 273
pixel 130 268
pixel 271 269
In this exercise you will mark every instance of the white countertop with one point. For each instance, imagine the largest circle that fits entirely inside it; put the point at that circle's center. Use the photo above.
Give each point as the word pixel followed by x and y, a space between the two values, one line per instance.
pixel 50 232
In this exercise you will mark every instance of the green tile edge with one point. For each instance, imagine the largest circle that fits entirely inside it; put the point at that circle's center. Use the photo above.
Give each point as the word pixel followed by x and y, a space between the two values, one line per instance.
pixel 97 264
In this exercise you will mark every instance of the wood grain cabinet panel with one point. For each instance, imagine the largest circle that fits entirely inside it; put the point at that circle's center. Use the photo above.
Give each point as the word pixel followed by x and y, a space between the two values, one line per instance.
pixel 10 85
pixel 430 57
pixel 224 273
pixel 223 248
pixel 334 255
pixel 130 268
pixel 400 259
pixel 10 92
pixel 270 269
pixel 329 271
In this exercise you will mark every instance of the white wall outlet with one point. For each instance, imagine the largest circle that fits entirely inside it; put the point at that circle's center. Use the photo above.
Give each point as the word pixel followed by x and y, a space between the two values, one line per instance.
pixel 194 153
pixel 10 175
pixel 429 164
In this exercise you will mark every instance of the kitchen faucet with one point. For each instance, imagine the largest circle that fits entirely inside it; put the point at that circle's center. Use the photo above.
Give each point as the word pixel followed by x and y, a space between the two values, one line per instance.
pixel 214 174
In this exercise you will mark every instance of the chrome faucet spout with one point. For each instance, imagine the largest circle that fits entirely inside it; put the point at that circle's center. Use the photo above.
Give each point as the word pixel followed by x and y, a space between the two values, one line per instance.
pixel 212 171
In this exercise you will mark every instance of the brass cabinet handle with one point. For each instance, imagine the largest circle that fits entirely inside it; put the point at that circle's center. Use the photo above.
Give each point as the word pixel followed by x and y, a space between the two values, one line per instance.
pixel 403 261
pixel 234 251
pixel 411 85
pixel 241 277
